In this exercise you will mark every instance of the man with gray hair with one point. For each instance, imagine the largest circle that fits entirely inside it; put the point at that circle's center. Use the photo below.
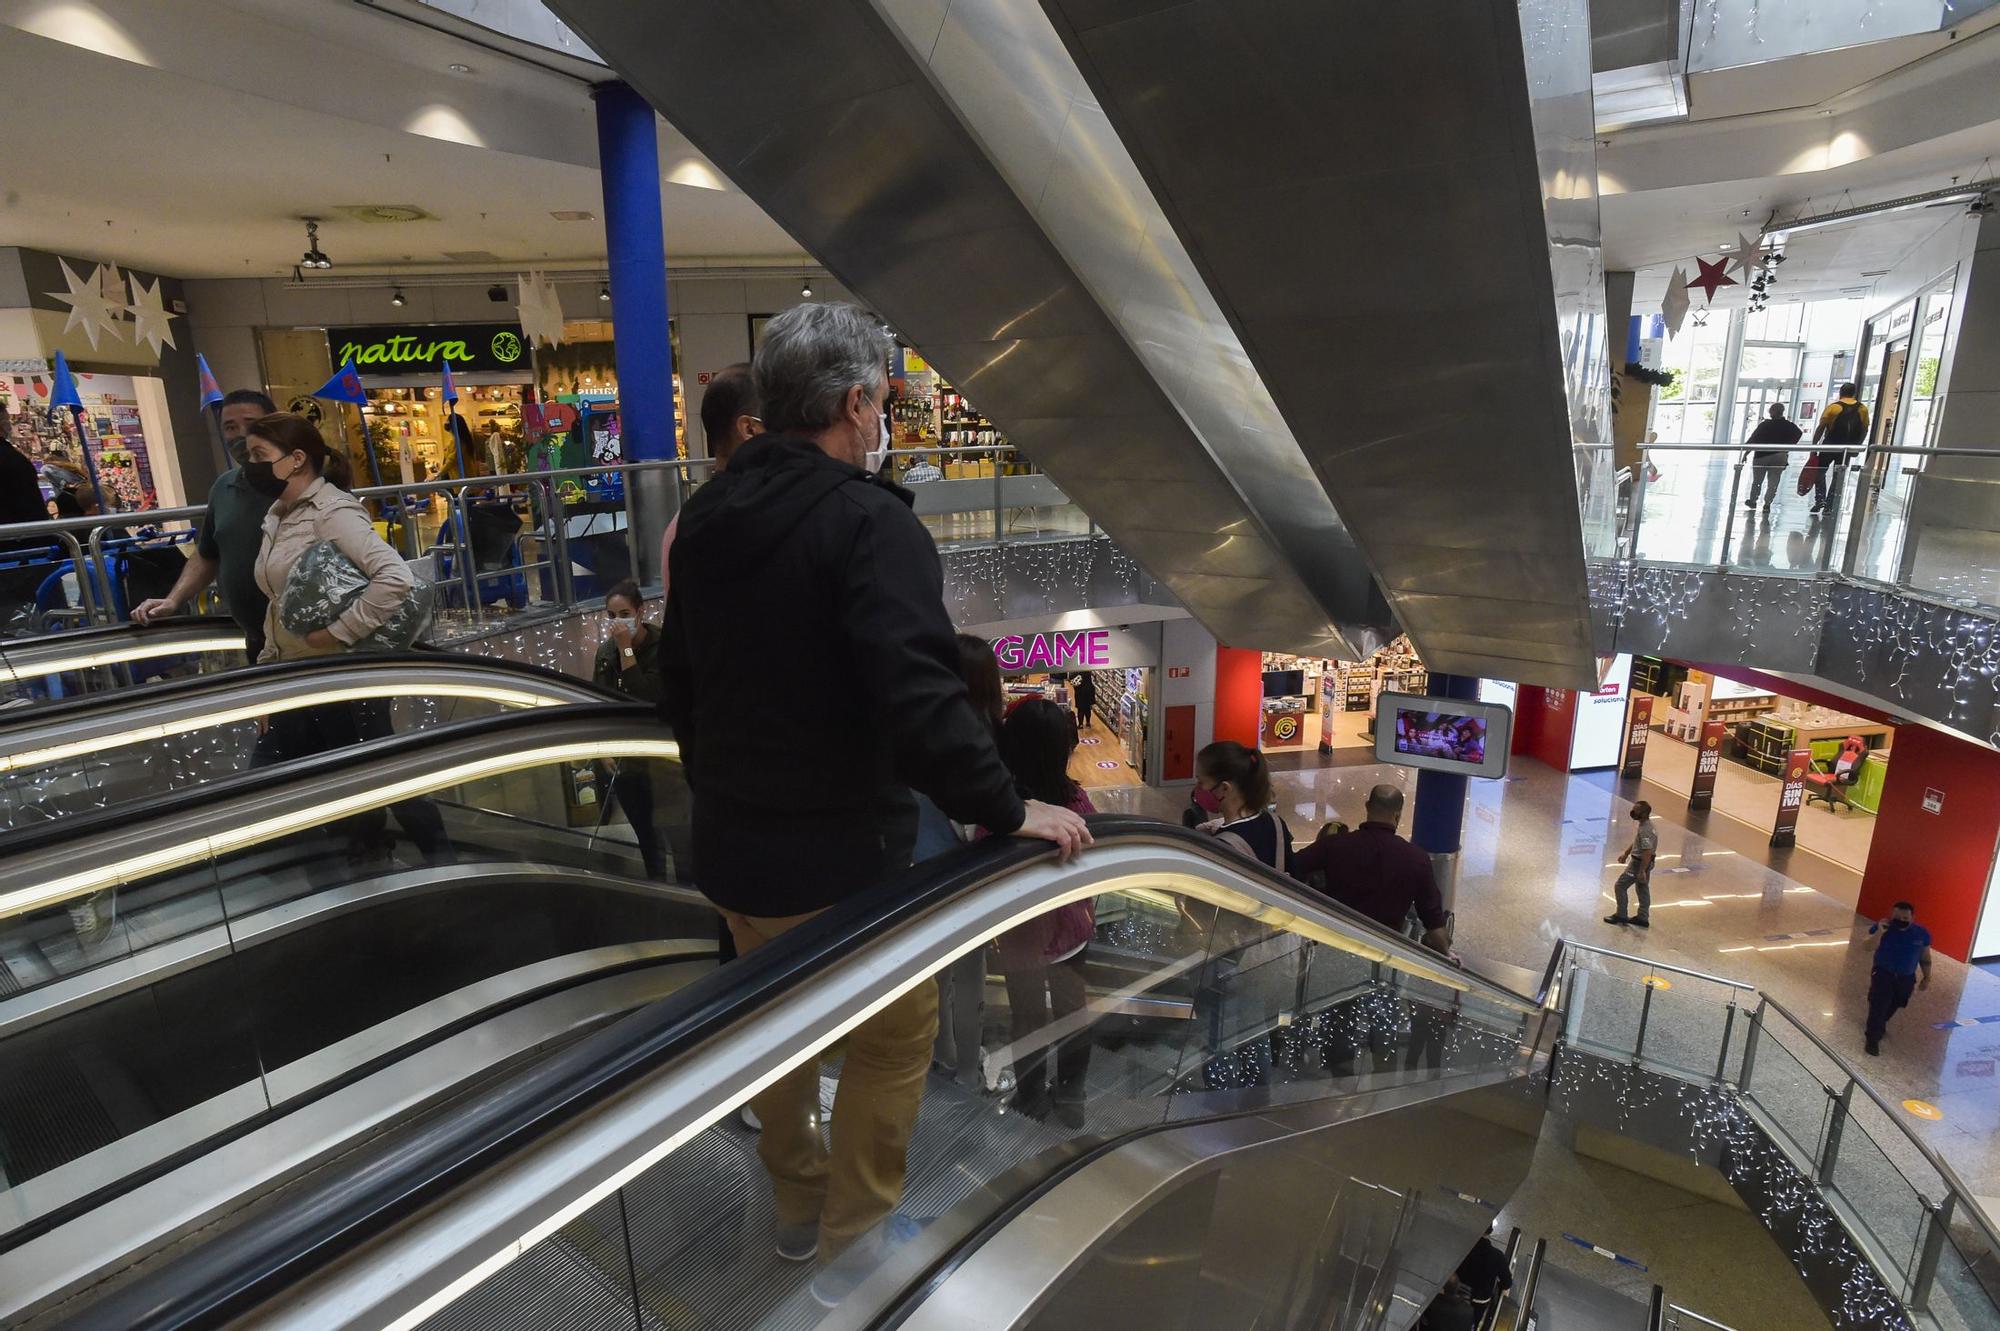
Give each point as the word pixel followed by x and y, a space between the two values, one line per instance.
pixel 810 673
pixel 1376 873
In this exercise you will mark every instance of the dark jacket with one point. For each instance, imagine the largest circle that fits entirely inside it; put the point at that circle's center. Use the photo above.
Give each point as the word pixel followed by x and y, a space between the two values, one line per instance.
pixel 1773 430
pixel 642 681
pixel 1376 872
pixel 810 672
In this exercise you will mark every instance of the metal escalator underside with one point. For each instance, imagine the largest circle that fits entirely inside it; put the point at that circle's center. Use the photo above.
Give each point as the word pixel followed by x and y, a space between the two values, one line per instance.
pixel 1209 270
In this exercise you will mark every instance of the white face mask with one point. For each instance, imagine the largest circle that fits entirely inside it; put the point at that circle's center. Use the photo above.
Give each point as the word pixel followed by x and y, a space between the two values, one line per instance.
pixel 628 622
pixel 880 453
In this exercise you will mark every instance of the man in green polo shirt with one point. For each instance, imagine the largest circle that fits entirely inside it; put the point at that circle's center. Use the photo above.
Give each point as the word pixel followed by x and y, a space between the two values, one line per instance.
pixel 226 551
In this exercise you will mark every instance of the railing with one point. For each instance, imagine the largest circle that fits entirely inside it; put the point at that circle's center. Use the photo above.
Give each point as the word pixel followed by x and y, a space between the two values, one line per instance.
pixel 1888 517
pixel 495 547
pixel 1918 1222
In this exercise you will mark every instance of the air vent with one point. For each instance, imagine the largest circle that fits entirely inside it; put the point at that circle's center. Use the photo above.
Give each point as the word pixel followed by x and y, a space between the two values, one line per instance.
pixel 472 256
pixel 385 212
pixel 1879 272
pixel 574 215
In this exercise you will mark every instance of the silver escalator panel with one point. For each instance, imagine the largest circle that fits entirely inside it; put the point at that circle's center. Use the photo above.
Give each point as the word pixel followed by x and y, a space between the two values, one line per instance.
pixel 1395 208
pixel 991 221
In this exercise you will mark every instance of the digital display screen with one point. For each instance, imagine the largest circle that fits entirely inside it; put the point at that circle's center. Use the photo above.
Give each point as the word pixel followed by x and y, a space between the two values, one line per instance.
pixel 1284 683
pixel 1441 735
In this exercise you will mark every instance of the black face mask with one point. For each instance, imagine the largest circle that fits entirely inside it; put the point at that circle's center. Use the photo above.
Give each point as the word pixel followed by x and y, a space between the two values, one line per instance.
pixel 1899 924
pixel 263 480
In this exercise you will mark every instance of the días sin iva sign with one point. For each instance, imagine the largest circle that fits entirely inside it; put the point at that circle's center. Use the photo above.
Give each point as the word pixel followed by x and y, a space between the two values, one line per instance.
pixel 1085 649
pixel 417 349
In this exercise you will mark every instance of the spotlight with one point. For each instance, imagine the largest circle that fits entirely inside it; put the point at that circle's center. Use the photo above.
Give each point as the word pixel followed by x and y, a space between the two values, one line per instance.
pixel 497 294
pixel 806 289
pixel 604 292
pixel 314 257
pixel 397 299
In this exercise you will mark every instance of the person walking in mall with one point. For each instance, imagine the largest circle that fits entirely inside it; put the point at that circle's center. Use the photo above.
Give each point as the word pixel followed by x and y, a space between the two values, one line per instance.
pixel 1043 960
pixel 1083 690
pixel 1843 427
pixel 1638 861
pixel 1375 872
pixel 729 419
pixel 1484 1272
pixel 1767 465
pixel 1902 947
pixel 628 662
pixel 799 545
pixel 232 530
pixel 962 984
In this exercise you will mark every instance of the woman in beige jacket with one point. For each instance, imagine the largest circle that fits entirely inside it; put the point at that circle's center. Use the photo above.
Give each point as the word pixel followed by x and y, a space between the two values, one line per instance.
pixel 288 460
pixel 308 482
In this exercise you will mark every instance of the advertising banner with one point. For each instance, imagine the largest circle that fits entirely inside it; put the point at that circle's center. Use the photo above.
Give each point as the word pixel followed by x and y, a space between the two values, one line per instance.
pixel 1785 831
pixel 1707 762
pixel 1637 728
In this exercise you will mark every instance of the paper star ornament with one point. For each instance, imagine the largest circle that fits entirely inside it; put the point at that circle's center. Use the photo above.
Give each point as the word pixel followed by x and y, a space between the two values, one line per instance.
pixel 1674 307
pixel 152 323
pixel 1712 276
pixel 1746 254
pixel 88 308
pixel 540 310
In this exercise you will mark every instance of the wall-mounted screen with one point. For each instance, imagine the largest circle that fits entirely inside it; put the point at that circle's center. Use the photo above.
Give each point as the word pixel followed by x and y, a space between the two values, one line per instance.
pixel 1284 683
pixel 1443 734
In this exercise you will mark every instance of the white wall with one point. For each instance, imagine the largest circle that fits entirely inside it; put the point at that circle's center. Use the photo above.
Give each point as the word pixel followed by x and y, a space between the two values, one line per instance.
pixel 1186 645
pixel 711 314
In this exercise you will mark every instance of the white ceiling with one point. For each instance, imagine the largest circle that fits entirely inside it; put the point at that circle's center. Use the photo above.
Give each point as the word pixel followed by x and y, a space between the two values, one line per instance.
pixel 193 149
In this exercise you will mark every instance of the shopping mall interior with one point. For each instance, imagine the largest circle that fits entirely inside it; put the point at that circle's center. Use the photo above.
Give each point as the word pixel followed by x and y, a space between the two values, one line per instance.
pixel 357 966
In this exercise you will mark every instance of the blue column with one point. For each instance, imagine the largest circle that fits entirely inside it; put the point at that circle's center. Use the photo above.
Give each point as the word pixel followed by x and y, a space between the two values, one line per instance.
pixel 1438 823
pixel 628 155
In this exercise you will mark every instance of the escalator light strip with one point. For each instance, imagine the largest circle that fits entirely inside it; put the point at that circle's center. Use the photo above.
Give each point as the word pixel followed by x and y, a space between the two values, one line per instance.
pixel 99 878
pixel 141 651
pixel 16 762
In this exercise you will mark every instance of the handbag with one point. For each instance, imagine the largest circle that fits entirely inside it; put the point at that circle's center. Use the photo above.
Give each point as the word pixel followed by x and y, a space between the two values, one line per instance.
pixel 325 582
pixel 1809 474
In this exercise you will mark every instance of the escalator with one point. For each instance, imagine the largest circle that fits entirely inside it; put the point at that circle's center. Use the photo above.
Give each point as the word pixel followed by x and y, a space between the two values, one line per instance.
pixel 1310 1099
pixel 205 990
pixel 55 666
pixel 94 751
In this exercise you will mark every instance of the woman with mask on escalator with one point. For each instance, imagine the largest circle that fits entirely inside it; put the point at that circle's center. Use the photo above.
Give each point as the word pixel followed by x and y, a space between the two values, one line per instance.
pixel 628 662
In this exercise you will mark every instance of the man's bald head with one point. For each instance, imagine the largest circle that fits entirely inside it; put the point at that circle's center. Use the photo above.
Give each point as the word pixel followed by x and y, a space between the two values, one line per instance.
pixel 1385 805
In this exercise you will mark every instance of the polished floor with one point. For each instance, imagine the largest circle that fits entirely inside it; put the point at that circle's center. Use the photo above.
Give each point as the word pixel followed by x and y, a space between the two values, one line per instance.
pixel 1695 513
pixel 1100 759
pixel 1538 864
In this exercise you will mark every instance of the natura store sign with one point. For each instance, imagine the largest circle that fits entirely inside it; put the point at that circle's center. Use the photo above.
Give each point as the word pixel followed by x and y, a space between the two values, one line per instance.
pixel 423 348
pixel 1085 649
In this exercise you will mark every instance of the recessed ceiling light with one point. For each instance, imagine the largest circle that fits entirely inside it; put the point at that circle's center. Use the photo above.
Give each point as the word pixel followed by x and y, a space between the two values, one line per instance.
pixel 574 215
pixel 457 68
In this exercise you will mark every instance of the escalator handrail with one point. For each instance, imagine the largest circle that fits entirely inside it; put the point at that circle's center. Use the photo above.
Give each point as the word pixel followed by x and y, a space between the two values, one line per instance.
pixel 147 697
pixel 161 817
pixel 323 1219
pixel 191 630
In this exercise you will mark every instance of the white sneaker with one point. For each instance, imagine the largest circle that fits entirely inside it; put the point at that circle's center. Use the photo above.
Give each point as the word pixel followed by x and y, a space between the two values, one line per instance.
pixel 750 1119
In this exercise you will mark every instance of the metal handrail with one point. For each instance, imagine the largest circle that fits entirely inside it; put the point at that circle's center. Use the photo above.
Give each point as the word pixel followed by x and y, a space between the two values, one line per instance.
pixel 1952 452
pixel 1656 965
pixel 1945 1172
pixel 1676 1311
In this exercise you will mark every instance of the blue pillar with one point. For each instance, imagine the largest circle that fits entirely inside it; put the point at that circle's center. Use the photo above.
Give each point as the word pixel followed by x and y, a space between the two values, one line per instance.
pixel 1438 823
pixel 628 155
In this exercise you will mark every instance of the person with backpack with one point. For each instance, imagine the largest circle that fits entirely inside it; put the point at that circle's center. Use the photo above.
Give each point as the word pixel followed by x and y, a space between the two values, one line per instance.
pixel 1843 427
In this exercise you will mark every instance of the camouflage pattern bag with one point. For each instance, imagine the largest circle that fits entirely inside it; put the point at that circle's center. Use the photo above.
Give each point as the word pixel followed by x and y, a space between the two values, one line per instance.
pixel 325 582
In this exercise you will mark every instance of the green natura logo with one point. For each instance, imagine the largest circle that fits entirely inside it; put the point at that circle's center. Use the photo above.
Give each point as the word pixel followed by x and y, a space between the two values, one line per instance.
pixel 506 348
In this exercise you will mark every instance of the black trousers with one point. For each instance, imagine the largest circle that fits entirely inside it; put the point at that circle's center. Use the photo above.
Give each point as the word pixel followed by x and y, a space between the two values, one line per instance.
pixel 305 731
pixel 1888 993
pixel 632 788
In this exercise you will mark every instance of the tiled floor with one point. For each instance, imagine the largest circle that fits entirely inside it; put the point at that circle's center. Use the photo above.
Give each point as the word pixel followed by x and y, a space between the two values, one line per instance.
pixel 1538 864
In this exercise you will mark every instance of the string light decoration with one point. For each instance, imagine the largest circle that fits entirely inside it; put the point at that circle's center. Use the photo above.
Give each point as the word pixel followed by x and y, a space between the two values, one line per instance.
pixel 1718 1131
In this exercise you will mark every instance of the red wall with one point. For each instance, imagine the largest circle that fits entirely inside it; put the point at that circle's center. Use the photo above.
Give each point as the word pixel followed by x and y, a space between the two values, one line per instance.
pixel 1543 722
pixel 1938 862
pixel 1239 694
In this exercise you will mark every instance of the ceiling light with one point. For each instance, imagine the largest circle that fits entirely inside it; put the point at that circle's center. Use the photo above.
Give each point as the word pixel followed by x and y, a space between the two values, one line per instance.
pixel 806 289
pixel 314 257
pixel 397 299
pixel 457 68
pixel 1797 225
pixel 604 292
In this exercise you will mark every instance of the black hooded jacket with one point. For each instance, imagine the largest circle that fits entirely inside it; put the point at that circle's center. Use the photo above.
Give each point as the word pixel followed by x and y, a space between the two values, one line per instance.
pixel 810 672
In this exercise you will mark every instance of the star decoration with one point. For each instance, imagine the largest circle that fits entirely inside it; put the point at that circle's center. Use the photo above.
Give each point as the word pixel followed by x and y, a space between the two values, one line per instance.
pixel 540 310
pixel 1712 276
pixel 151 321
pixel 1674 307
pixel 1746 254
pixel 88 309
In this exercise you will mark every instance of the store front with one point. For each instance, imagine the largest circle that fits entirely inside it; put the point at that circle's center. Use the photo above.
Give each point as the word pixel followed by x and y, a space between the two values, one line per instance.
pixel 1318 706
pixel 1120 745
pixel 1790 762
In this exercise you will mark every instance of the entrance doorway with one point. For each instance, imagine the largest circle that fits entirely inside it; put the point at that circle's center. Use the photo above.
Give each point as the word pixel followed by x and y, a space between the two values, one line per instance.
pixel 1888 402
